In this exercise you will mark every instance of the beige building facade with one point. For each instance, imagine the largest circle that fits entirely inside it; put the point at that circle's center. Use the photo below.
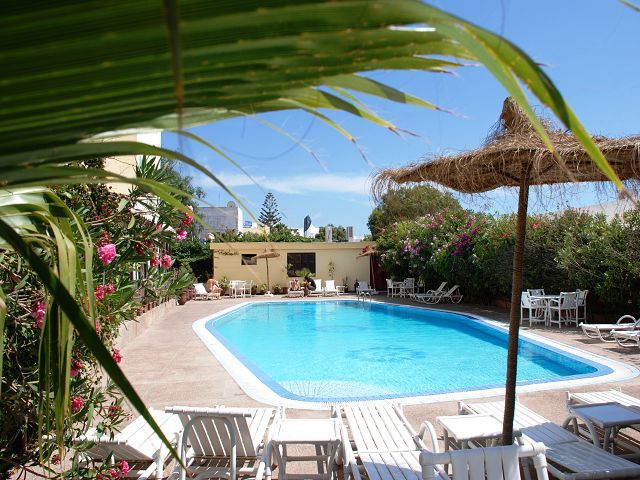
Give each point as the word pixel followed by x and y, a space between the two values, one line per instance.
pixel 339 261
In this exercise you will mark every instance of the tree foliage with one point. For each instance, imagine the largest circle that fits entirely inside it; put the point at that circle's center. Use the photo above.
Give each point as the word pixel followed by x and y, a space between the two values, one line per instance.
pixel 408 203
pixel 269 214
pixel 338 233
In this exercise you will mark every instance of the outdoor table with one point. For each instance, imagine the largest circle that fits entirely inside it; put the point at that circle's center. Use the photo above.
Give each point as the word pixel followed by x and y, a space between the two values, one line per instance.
pixel 341 289
pixel 610 417
pixel 323 434
pixel 547 300
pixel 466 431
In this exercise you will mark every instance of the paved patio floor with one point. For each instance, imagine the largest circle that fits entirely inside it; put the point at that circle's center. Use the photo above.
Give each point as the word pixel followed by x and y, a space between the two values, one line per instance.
pixel 169 365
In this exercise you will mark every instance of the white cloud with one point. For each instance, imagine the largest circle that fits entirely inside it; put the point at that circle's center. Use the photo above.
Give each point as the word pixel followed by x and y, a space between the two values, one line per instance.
pixel 297 184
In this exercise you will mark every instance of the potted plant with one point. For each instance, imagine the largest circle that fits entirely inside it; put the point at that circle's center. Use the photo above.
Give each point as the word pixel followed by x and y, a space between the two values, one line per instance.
pixel 262 289
pixel 224 285
pixel 277 289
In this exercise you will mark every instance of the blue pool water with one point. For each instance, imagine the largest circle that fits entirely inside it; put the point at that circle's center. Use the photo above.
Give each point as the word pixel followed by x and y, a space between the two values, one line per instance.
pixel 347 350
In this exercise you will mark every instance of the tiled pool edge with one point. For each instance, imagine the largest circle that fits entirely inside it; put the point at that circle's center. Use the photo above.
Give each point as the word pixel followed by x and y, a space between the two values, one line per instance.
pixel 256 389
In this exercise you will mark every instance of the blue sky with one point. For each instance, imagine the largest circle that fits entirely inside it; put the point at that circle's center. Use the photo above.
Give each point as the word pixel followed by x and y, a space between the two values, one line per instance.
pixel 590 49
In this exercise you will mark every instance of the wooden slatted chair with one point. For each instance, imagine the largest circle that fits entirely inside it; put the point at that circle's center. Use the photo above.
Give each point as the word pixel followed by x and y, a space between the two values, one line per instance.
pixel 492 463
pixel 137 443
pixel 225 442
pixel 568 456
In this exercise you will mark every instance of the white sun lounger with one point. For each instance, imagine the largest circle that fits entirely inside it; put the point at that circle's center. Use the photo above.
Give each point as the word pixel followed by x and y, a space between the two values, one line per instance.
pixel 318 292
pixel 330 288
pixel 225 442
pixel 604 331
pixel 137 443
pixel 294 293
pixel 390 449
pixel 202 294
pixel 627 338
pixel 384 441
pixel 452 295
pixel 569 457
pixel 419 297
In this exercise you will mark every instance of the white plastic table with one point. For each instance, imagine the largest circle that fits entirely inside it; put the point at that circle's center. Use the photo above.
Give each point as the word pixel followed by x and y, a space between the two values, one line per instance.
pixel 463 431
pixel 546 299
pixel 610 417
pixel 323 434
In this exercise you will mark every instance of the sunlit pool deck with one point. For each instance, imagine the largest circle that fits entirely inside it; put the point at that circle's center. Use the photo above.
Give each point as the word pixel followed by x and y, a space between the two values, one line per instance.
pixel 170 365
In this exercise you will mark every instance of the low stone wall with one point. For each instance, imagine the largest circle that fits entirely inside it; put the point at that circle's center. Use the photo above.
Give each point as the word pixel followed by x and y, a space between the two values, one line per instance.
pixel 130 330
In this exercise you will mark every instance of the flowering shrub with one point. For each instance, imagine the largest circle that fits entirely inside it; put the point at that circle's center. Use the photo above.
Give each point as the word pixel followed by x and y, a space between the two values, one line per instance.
pixel 563 252
pixel 124 236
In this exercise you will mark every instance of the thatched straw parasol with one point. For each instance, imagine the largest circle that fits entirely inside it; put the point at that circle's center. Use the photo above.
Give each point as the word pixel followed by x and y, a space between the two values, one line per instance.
pixel 267 255
pixel 514 155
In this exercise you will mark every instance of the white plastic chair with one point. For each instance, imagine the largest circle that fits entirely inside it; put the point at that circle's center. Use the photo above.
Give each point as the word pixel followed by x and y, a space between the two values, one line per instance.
pixel 492 463
pixel 537 310
pixel 246 290
pixel 408 287
pixel 581 305
pixel 536 292
pixel 565 308
pixel 393 288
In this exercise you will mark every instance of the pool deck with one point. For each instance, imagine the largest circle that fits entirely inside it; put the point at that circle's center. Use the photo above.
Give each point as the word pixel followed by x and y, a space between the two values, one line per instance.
pixel 169 365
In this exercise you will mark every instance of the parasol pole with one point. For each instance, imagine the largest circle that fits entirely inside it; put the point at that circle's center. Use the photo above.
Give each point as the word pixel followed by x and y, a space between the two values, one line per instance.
pixel 268 283
pixel 514 317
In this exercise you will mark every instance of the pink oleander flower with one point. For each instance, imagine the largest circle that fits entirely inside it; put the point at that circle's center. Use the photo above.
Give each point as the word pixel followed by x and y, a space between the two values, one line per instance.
pixel 123 466
pixel 116 355
pixel 76 404
pixel 166 260
pixel 38 313
pixel 159 226
pixel 114 473
pixel 155 261
pixel 107 253
pixel 76 367
pixel 99 292
pixel 110 288
pixel 181 235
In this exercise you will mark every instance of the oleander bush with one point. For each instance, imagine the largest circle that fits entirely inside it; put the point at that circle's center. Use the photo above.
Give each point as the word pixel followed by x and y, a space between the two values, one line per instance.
pixel 563 252
pixel 130 233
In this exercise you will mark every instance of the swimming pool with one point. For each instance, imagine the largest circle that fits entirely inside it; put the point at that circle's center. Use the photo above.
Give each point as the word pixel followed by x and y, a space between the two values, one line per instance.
pixel 343 350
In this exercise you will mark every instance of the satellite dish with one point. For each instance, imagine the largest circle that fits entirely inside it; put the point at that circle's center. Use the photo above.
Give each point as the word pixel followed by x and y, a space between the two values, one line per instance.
pixel 232 204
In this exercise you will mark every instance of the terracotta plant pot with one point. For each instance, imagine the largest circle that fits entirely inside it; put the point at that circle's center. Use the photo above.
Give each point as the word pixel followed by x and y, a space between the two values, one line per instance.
pixel 184 297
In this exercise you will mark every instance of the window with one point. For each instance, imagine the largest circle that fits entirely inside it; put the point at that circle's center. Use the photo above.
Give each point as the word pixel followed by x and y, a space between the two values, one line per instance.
pixel 298 261
pixel 249 259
